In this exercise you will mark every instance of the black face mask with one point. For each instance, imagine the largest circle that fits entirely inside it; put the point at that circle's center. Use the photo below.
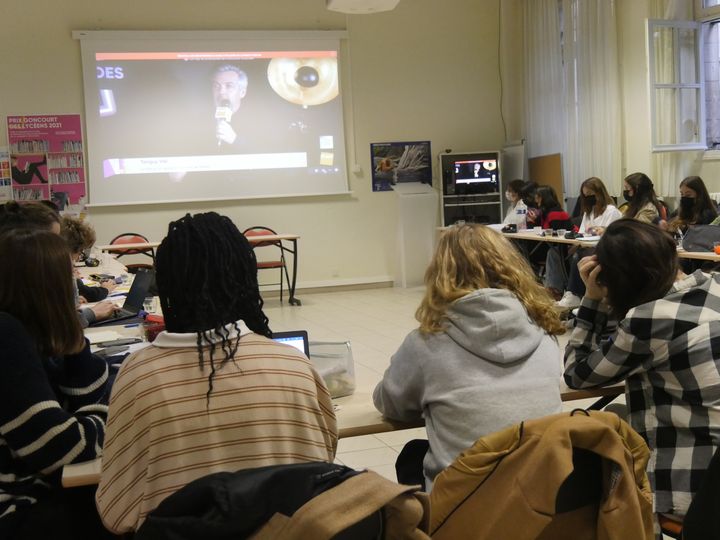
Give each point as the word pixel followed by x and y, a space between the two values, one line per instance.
pixel 627 196
pixel 687 203
pixel 591 200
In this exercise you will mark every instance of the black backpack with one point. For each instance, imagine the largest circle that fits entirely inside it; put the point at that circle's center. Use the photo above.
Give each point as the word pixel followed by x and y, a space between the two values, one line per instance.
pixel 248 502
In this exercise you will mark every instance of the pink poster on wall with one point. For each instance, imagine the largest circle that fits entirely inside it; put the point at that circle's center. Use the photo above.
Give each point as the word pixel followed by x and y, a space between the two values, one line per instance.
pixel 46 157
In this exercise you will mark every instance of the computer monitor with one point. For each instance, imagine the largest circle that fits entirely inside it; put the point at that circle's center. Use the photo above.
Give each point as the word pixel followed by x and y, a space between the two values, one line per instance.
pixel 476 174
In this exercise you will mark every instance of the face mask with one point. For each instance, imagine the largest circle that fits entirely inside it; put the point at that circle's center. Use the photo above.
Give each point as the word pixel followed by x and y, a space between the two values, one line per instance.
pixel 687 203
pixel 627 196
pixel 591 200
pixel 508 196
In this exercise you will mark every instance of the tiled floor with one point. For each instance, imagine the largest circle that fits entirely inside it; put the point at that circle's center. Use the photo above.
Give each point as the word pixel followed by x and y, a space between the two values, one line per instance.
pixel 375 321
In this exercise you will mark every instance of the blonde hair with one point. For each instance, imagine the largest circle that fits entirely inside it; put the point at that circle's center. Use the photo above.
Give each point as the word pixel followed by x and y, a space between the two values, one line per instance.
pixel 78 234
pixel 472 257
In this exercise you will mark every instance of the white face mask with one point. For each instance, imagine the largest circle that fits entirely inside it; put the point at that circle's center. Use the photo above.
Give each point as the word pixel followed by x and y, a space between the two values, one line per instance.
pixel 509 196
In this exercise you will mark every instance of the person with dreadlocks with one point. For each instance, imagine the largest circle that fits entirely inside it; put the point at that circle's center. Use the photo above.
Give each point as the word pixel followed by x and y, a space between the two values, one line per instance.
pixel 213 392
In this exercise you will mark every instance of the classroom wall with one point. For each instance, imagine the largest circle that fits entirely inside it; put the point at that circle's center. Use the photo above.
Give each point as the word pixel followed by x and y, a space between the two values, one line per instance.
pixel 427 70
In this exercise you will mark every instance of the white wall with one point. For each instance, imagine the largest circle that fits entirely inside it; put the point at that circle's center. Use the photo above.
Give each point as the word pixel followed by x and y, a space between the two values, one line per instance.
pixel 427 70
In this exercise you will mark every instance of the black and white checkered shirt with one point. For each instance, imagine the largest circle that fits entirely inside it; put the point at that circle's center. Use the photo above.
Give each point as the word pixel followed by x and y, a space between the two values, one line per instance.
pixel 668 352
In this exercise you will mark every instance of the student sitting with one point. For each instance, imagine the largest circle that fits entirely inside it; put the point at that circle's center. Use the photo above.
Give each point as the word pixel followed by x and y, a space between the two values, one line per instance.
pixel 643 204
pixel 552 216
pixel 36 215
pixel 533 211
pixel 598 211
pixel 513 194
pixel 213 393
pixel 50 388
pixel 30 215
pixel 485 356
pixel 665 348
pixel 80 237
pixel 696 206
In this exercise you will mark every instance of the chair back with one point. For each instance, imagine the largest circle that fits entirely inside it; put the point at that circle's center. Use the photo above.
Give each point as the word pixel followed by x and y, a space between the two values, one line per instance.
pixel 258 230
pixel 131 238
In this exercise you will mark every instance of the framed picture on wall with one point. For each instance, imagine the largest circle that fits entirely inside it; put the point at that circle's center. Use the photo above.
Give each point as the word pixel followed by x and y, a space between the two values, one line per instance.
pixel 394 162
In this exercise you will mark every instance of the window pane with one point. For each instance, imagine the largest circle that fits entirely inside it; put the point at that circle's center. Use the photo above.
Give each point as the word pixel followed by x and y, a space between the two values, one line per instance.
pixel 664 55
pixel 689 110
pixel 712 84
pixel 710 3
pixel 665 115
pixel 688 63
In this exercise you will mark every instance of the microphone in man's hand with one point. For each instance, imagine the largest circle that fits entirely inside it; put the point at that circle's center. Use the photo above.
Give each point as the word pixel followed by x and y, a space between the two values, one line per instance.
pixel 223 113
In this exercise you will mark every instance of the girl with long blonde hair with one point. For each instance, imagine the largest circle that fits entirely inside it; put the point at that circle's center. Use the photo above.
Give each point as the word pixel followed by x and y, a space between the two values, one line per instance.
pixel 484 357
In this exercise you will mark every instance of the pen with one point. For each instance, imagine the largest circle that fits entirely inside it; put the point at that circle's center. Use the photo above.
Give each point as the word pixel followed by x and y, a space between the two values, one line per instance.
pixel 131 325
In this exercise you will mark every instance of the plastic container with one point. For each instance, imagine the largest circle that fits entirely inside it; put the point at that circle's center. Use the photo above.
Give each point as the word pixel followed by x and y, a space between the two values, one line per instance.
pixel 153 325
pixel 333 360
pixel 521 215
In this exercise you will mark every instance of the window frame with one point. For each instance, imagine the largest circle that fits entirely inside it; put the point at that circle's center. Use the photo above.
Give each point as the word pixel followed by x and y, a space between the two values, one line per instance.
pixel 703 14
pixel 654 86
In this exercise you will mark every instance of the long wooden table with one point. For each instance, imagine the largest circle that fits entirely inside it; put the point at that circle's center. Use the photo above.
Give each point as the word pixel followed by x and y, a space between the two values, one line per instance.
pixel 534 236
pixel 253 240
pixel 356 415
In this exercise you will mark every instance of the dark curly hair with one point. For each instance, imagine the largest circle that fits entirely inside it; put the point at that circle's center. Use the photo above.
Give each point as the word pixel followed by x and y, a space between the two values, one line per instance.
pixel 206 275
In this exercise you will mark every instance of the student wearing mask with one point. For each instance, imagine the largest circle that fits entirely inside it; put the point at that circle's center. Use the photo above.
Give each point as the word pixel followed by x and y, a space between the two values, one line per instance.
pixel 485 355
pixel 696 207
pixel 598 211
pixel 513 196
pixel 664 348
pixel 642 202
pixel 51 389
pixel 552 215
pixel 212 393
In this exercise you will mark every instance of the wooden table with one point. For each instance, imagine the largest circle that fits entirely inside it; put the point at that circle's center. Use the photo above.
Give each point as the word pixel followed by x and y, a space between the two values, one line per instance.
pixel 279 239
pixel 108 265
pixel 589 243
pixel 356 415
pixel 137 245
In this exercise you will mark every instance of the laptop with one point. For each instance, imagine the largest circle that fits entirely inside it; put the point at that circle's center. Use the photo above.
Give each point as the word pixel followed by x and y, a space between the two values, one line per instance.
pixel 134 299
pixel 294 338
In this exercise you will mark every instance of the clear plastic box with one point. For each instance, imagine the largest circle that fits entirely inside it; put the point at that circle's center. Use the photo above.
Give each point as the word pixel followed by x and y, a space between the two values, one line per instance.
pixel 333 360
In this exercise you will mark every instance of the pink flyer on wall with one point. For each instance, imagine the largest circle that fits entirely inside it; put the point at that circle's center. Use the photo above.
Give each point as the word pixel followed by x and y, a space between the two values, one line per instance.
pixel 47 159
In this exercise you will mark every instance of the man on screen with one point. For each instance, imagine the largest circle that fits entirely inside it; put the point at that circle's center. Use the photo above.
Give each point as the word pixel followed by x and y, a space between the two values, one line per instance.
pixel 229 86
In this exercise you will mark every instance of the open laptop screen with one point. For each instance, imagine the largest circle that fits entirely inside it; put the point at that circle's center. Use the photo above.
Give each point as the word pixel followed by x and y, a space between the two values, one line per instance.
pixel 294 338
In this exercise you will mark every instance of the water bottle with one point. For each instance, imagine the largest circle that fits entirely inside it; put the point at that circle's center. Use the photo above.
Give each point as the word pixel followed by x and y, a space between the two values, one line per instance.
pixel 521 215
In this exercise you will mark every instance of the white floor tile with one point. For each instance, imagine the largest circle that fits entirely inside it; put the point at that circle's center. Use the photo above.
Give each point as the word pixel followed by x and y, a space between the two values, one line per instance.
pixel 399 438
pixel 355 444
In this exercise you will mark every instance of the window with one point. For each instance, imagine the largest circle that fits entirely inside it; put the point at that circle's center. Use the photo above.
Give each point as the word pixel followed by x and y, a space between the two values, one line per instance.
pixel 677 92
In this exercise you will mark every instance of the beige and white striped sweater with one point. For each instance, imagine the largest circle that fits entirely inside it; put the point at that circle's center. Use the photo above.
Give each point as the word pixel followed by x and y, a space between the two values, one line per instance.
pixel 267 407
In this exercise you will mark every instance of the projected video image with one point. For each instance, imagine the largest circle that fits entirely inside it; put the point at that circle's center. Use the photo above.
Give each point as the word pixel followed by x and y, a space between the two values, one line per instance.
pixel 266 116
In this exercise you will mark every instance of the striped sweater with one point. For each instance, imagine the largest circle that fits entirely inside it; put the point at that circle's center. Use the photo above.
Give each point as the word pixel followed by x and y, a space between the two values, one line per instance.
pixel 49 415
pixel 267 407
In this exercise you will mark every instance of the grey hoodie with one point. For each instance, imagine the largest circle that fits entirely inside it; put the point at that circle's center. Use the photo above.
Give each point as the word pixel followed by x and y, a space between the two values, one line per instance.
pixel 491 368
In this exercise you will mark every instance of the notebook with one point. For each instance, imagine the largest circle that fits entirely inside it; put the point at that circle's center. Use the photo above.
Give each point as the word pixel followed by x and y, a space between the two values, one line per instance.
pixel 134 300
pixel 294 338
